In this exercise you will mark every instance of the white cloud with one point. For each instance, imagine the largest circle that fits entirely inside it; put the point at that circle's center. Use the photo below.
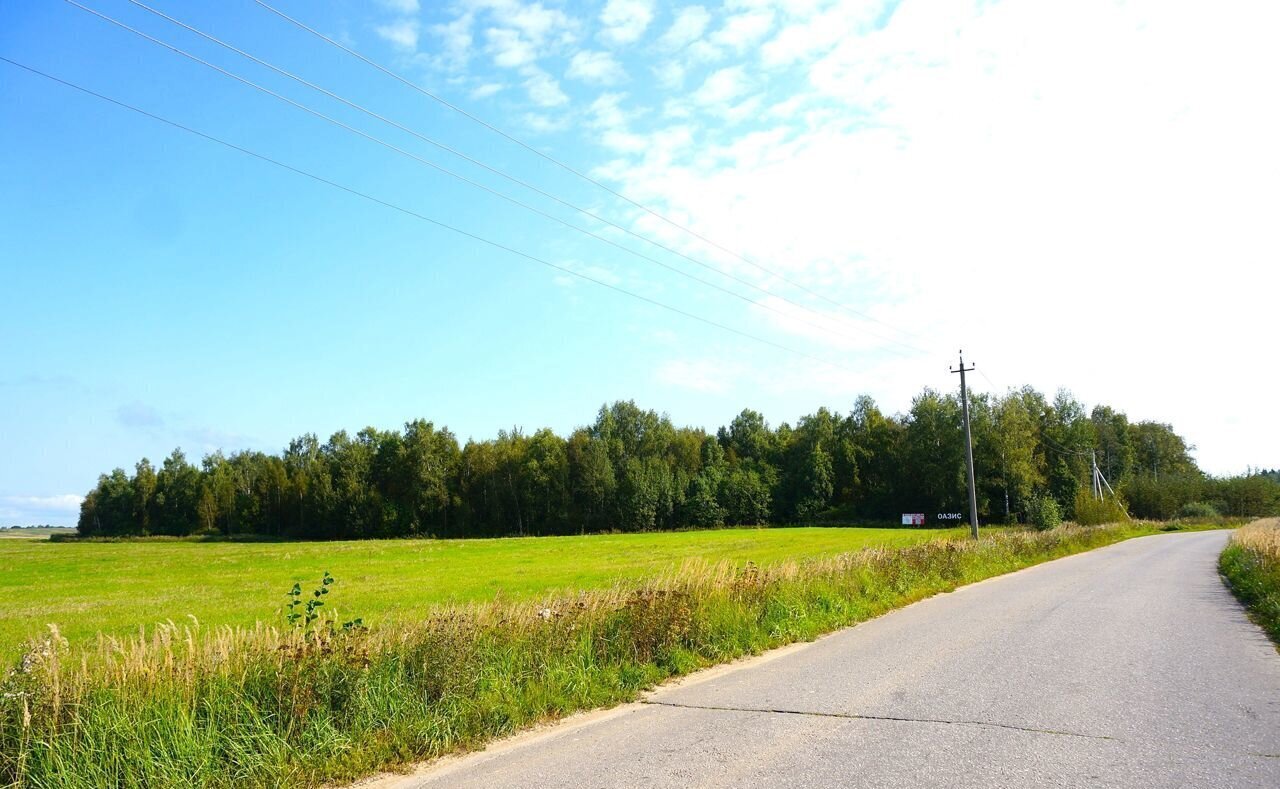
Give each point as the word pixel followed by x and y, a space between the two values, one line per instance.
pixel 519 34
pixel 745 110
pixel 742 30
pixel 509 48
pixel 689 25
pixel 670 74
pixel 402 33
pixel 543 89
pixel 789 107
pixel 625 21
pixel 827 326
pixel 1081 173
pixel 972 154
pixel 688 33
pixel 810 36
pixel 486 90
pixel 606 111
pixel 703 51
pixel 597 67
pixel 623 141
pixel 676 108
pixel 606 115
pixel 722 86
pixel 534 20
pixel 542 124
pixel 58 510
pixel 456 40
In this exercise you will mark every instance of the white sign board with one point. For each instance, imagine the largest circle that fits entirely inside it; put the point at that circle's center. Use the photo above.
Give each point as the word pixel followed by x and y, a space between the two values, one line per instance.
pixel 913 519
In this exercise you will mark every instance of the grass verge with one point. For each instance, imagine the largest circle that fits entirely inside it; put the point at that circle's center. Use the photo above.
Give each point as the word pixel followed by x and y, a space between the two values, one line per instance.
pixel 192 706
pixel 1251 565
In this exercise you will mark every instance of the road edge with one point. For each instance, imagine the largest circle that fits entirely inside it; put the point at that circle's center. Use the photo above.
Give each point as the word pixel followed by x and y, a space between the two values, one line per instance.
pixel 450 763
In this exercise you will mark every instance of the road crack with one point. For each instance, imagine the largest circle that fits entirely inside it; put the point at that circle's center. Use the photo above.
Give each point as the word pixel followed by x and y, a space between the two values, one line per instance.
pixel 854 716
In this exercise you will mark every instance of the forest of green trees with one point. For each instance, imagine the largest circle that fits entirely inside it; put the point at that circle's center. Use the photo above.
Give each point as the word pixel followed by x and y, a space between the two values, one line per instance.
pixel 633 470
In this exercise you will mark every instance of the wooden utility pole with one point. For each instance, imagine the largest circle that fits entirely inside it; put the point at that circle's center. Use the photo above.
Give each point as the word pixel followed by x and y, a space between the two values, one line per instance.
pixel 968 446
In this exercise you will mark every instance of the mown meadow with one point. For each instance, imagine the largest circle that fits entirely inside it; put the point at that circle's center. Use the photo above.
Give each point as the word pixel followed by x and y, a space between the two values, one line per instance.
pixel 116 587
pixel 317 702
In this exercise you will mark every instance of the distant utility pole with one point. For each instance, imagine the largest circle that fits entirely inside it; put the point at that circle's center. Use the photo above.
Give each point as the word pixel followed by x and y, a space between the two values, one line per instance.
pixel 1099 480
pixel 968 446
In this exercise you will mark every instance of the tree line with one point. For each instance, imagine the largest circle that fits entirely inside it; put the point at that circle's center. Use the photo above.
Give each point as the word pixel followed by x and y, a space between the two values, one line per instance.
pixel 633 470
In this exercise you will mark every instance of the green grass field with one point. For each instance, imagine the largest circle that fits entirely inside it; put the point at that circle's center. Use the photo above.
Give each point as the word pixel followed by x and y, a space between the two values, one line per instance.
pixel 117 587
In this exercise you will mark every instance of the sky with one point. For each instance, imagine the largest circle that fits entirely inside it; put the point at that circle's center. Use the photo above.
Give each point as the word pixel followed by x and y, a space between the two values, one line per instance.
pixel 1079 195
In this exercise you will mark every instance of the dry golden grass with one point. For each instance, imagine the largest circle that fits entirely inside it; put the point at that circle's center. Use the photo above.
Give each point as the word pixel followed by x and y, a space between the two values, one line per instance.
pixel 1251 566
pixel 1262 536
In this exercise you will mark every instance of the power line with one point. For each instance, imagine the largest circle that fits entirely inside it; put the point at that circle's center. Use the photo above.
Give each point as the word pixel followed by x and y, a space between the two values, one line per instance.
pixel 422 217
pixel 1056 447
pixel 988 379
pixel 569 168
pixel 496 171
pixel 453 174
pixel 1051 445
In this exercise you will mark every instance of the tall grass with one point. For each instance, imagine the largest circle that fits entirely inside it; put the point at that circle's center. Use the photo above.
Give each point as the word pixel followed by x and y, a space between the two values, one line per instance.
pixel 185 705
pixel 1251 565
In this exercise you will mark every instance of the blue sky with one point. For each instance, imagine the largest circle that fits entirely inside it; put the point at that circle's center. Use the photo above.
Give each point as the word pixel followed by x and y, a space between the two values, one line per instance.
pixel 1080 196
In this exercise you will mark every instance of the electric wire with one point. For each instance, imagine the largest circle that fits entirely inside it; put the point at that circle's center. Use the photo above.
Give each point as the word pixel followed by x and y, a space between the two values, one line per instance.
pixel 513 179
pixel 1056 447
pixel 422 217
pixel 464 179
pixel 1051 445
pixel 988 378
pixel 569 168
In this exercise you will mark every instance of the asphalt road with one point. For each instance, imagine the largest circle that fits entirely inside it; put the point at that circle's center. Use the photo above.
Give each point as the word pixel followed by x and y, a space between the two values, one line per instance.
pixel 1128 666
